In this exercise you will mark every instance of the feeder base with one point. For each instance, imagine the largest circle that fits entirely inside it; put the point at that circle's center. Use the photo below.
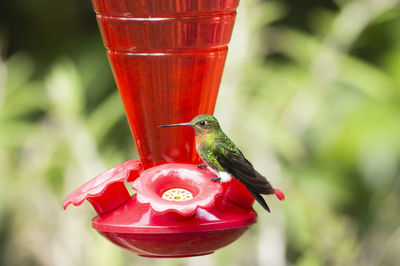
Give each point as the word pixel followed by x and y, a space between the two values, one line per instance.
pixel 183 256
pixel 137 228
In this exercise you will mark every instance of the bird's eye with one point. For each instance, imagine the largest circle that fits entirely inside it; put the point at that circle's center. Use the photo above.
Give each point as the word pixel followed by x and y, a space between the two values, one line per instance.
pixel 202 123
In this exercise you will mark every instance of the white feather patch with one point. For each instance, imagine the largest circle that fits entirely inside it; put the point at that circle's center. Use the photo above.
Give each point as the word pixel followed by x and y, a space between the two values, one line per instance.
pixel 225 177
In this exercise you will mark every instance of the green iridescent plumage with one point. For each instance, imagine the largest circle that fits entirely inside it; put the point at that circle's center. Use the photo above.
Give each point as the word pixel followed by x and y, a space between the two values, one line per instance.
pixel 222 155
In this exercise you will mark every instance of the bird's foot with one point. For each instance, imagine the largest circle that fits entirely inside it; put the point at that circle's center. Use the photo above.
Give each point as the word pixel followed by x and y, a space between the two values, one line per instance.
pixel 216 179
pixel 202 166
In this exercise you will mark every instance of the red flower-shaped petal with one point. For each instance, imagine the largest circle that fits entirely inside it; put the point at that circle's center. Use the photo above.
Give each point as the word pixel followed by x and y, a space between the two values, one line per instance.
pixel 107 190
pixel 194 182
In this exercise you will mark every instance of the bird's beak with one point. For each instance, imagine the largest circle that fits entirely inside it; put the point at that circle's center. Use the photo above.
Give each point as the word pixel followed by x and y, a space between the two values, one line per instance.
pixel 178 125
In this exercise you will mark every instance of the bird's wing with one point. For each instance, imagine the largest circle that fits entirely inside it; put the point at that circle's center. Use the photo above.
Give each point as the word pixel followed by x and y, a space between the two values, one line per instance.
pixel 260 200
pixel 233 161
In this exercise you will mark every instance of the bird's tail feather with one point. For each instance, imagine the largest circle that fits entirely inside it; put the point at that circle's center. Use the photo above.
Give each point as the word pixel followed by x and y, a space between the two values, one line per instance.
pixel 260 200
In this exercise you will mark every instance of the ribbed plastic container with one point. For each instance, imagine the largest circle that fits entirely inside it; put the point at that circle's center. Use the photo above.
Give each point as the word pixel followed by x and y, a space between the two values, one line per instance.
pixel 167 58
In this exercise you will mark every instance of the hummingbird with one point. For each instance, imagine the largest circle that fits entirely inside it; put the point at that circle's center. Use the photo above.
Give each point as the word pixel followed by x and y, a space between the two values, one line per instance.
pixel 225 159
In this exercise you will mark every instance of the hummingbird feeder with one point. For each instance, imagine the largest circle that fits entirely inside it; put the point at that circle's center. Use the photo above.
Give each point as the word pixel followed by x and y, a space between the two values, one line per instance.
pixel 167 59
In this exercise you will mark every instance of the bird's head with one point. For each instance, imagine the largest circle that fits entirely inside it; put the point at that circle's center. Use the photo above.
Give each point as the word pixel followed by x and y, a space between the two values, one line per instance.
pixel 202 124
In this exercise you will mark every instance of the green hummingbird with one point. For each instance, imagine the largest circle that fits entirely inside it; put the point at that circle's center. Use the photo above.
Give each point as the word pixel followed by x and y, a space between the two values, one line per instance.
pixel 220 154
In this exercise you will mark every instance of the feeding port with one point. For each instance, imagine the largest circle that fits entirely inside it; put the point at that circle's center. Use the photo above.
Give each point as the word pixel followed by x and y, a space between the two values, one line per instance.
pixel 177 194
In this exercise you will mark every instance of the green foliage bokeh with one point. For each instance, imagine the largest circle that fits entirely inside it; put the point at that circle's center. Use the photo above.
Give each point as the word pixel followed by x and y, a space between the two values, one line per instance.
pixel 311 94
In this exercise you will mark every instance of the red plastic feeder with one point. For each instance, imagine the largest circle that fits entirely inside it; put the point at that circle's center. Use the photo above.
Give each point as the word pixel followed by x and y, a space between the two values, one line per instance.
pixel 167 58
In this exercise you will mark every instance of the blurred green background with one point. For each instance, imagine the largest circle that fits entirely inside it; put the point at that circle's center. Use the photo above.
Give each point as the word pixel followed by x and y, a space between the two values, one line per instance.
pixel 311 94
